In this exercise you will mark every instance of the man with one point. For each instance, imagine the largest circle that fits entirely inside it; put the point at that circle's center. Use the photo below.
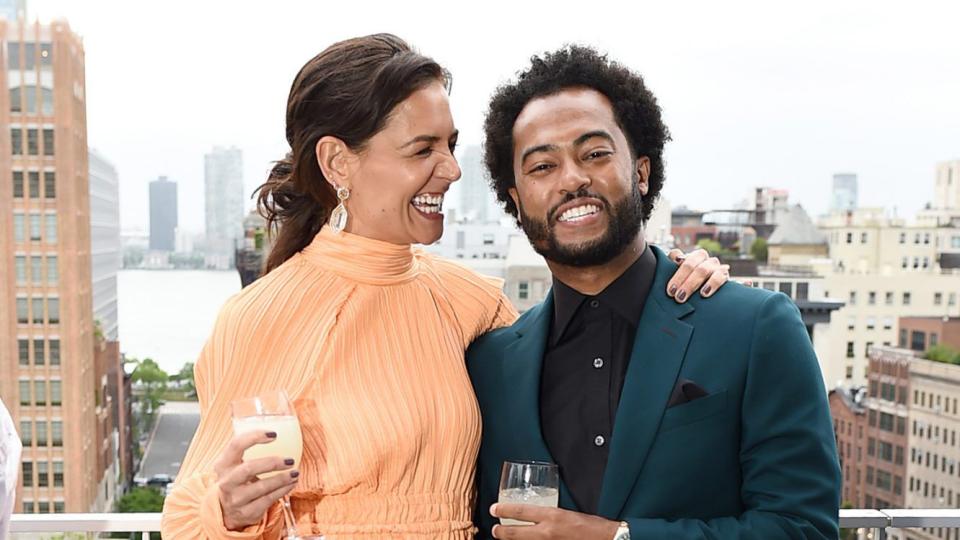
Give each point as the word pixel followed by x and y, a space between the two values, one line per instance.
pixel 703 419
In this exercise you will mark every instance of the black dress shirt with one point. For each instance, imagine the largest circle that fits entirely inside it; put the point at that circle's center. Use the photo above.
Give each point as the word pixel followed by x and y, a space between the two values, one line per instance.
pixel 586 359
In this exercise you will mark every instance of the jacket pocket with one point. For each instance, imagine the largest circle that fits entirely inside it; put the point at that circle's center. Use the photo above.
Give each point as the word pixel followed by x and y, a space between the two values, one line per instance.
pixel 694 411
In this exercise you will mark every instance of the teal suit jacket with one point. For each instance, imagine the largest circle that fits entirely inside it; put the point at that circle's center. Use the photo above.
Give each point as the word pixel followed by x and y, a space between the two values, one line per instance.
pixel 756 458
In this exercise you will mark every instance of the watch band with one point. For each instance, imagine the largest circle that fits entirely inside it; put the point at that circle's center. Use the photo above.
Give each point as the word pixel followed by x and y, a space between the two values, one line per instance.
pixel 623 533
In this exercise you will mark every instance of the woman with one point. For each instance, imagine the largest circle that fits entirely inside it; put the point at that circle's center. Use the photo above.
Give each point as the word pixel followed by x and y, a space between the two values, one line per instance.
pixel 364 332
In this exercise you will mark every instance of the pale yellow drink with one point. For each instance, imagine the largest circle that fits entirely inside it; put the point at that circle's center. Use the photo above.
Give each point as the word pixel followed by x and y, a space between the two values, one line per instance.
pixel 538 496
pixel 288 444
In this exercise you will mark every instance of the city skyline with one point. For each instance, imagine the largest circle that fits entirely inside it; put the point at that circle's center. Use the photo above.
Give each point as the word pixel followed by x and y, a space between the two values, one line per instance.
pixel 770 97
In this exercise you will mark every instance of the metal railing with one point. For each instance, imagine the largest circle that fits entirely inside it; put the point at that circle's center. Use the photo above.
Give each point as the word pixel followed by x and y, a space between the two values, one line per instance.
pixel 878 520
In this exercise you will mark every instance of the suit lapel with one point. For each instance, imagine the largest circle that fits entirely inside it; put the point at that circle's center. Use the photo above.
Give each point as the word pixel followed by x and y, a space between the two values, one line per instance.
pixel 658 351
pixel 522 365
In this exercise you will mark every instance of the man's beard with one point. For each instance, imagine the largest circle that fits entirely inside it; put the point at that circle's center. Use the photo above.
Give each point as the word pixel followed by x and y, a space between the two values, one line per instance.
pixel 626 219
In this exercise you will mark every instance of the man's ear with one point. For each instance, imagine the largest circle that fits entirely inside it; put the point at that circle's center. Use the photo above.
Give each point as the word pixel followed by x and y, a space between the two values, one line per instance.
pixel 642 168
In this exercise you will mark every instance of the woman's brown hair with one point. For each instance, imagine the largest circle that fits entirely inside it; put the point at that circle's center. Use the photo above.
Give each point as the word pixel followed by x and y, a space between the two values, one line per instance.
pixel 347 91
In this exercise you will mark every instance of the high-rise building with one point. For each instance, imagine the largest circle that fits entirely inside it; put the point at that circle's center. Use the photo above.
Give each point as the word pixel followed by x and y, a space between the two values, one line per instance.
pixel 475 192
pixel 946 195
pixel 105 249
pixel 47 368
pixel 223 180
pixel 163 214
pixel 844 196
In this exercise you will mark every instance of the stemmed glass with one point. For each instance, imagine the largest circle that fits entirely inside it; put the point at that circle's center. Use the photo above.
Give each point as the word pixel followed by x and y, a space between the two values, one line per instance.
pixel 272 411
pixel 529 482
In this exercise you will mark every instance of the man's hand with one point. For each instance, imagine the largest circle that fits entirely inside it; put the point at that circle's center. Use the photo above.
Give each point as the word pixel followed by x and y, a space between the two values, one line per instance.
pixel 552 523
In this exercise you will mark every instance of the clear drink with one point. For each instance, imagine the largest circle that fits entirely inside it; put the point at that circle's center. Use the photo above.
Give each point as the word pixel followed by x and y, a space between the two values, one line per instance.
pixel 539 496
pixel 529 482
pixel 288 444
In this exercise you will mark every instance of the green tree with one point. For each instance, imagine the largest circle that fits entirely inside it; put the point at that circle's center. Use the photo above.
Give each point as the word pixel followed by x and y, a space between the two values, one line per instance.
pixel 185 378
pixel 759 250
pixel 714 248
pixel 141 499
pixel 943 353
pixel 154 382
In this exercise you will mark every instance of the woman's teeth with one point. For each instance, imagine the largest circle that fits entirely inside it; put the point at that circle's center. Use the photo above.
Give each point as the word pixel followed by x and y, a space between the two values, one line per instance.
pixel 428 204
pixel 579 212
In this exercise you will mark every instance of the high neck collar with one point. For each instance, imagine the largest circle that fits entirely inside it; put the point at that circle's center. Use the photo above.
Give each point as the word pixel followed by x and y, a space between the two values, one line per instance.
pixel 362 259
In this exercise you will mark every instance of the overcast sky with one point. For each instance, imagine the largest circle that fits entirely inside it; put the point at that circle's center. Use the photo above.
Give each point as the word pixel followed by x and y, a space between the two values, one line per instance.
pixel 753 92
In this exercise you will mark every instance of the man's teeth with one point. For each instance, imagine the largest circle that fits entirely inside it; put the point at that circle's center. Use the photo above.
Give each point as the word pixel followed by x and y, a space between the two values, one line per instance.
pixel 579 212
pixel 428 204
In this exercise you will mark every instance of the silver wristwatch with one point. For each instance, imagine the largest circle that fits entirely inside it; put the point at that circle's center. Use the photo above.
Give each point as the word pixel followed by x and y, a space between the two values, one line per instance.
pixel 623 533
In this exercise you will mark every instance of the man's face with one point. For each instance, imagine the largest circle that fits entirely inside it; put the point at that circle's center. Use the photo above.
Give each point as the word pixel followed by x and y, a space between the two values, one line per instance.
pixel 578 188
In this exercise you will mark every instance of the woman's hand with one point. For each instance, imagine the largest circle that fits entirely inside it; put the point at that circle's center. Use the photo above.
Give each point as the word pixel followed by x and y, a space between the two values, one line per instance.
pixel 698 270
pixel 245 498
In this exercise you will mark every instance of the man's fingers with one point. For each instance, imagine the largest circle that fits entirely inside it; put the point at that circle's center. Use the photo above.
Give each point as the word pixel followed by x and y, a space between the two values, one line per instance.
pixel 523 512
pixel 690 263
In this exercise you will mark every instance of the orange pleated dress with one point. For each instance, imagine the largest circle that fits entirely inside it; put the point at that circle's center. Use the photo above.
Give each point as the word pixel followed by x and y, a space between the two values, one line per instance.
pixel 368 339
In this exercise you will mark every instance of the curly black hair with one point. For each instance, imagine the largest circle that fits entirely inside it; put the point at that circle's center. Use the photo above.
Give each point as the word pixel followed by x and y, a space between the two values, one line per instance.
pixel 634 107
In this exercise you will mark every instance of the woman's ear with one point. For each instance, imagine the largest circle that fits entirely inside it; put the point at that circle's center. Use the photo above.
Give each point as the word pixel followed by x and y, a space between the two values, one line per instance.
pixel 335 159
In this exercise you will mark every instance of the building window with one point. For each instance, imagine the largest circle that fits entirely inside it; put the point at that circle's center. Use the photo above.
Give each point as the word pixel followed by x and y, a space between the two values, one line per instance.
pixel 488 239
pixel 46 54
pixel 35 227
pixel 866 352
pixel 889 298
pixel 56 393
pixel 918 340
pixel 906 299
pixel 56 432
pixel 58 474
pixel 786 288
pixel 933 339
pixel 952 299
pixel 926 238
pixel 43 474
pixel 16 141
pixel 36 309
pixel 33 142
pixel 863 238
pixel 886 422
pixel 853 298
pixel 59 507
pixel 872 298
pixel 40 393
pixel 48 142
pixel 802 290
pixel 49 185
pixel 903 338
pixel 25 398
pixel 849 237
pixel 17 184
pixel 769 285
pixel 884 480
pixel 23 316
pixel 46 96
pixel 850 349
pixel 53 270
pixel 54 352
pixel 916 263
pixel 53 309
pixel 905 262
pixel 33 178
pixel 29 56
pixel 41 427
pixel 926 262
pixel 20 268
pixel 51 220
pixel 888 323
pixel 849 373
pixel 23 352
pixel 871 323
pixel 869 475
pixel 38 350
pixel 916 238
pixel 26 432
pixel 903 238
pixel 885 451
pixel 26 469
pixel 13 55
pixel 871 446
pixel 36 269
pixel 19 228
pixel 523 290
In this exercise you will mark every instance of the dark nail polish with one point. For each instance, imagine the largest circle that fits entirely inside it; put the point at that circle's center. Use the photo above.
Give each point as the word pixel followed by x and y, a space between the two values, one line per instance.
pixel 288 462
pixel 673 290
pixel 706 290
pixel 294 474
pixel 682 295
pixel 271 434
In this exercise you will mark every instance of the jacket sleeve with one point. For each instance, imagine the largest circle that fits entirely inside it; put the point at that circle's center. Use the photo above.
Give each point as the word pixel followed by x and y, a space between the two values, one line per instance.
pixel 192 510
pixel 788 458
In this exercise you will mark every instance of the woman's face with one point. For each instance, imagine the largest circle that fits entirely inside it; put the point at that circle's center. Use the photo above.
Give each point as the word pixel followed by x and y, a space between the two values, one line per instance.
pixel 398 181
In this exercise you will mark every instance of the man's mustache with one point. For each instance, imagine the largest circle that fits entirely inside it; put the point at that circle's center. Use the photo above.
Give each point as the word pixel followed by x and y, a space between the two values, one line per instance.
pixel 582 193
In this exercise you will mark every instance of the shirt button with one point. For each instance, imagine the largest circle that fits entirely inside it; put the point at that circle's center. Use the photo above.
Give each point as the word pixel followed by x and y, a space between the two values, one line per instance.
pixel 598 363
pixel 599 441
pixel 594 303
